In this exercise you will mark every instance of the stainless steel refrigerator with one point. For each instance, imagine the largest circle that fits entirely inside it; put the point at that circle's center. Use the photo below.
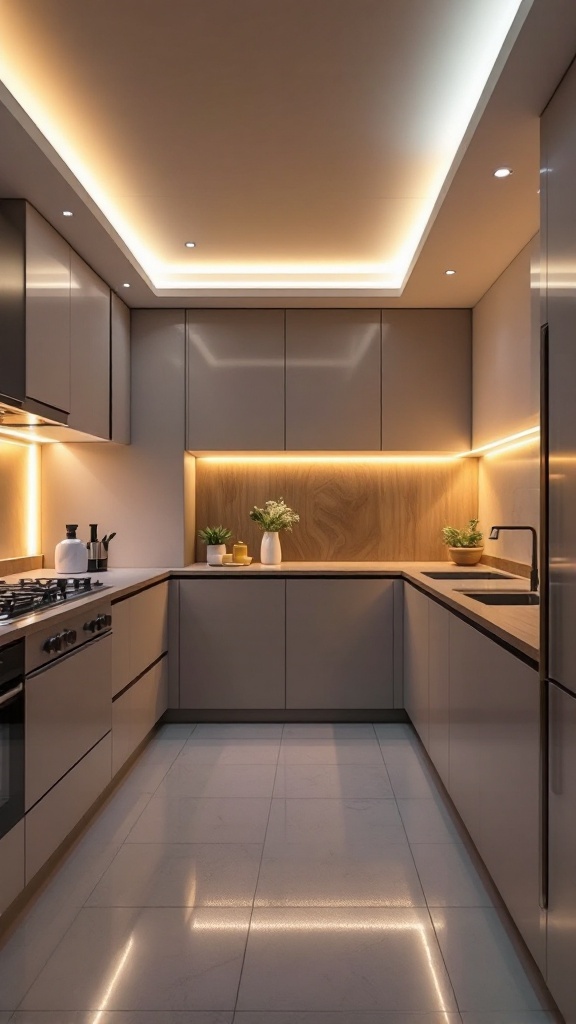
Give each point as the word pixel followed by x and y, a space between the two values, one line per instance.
pixel 558 529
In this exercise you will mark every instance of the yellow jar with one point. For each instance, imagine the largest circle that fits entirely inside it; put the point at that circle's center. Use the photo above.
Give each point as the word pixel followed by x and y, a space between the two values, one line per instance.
pixel 239 552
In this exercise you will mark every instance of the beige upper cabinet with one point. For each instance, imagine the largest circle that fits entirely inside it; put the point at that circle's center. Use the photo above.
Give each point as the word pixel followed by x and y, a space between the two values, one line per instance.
pixel 89 350
pixel 120 370
pixel 47 314
pixel 333 380
pixel 235 380
pixel 426 379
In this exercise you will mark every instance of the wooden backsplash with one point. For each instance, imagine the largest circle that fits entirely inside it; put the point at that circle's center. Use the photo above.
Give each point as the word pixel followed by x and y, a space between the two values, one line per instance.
pixel 348 511
pixel 13 499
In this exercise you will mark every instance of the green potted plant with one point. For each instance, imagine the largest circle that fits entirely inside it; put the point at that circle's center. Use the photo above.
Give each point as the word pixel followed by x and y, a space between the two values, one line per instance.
pixel 215 538
pixel 275 516
pixel 464 546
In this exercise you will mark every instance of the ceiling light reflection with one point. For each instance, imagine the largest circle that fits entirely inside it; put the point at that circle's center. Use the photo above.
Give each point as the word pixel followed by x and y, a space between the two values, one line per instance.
pixel 113 981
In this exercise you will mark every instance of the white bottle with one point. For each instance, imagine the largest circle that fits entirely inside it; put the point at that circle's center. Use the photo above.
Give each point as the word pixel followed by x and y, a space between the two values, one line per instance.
pixel 71 555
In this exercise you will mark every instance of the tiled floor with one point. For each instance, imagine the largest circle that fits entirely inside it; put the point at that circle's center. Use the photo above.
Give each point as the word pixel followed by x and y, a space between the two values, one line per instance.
pixel 269 874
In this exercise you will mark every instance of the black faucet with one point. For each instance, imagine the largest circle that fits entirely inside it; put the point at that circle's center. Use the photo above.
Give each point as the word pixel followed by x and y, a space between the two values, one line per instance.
pixel 534 567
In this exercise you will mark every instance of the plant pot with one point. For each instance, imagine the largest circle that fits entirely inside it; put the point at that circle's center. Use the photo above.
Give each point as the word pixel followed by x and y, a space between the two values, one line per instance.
pixel 465 556
pixel 270 550
pixel 214 553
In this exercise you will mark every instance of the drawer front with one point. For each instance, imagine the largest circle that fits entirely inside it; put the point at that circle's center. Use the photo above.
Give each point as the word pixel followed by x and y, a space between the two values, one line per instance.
pixel 136 712
pixel 148 627
pixel 54 817
pixel 67 712
pixel 12 861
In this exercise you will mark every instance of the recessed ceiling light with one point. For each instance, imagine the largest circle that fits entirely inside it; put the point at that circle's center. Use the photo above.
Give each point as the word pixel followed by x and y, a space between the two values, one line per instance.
pixel 67 213
pixel 125 285
pixel 503 172
pixel 190 245
pixel 449 273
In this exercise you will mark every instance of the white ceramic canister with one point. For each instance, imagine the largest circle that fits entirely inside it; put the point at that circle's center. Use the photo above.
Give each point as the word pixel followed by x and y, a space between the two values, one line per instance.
pixel 71 555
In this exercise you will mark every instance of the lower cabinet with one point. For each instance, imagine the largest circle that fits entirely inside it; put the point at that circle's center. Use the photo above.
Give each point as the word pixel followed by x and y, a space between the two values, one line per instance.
pixel 339 643
pixel 136 711
pixel 276 644
pixel 232 645
pixel 416 683
pixel 439 689
pixel 140 633
pixel 54 817
pixel 12 861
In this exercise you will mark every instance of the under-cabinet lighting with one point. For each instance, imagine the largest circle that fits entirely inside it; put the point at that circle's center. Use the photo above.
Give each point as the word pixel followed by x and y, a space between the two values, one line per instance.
pixel 25 435
pixel 281 460
pixel 33 500
pixel 504 443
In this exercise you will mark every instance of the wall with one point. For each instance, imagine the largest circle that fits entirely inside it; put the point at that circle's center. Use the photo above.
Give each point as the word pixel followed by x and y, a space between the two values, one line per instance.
pixel 19 504
pixel 141 491
pixel 506 400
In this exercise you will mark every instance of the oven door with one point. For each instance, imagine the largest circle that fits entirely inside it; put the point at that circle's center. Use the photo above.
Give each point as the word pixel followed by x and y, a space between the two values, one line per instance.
pixel 11 736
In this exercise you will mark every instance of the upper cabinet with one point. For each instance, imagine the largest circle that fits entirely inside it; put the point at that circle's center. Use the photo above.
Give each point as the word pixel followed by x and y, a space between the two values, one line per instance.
pixel 47 314
pixel 333 379
pixel 89 351
pixel 426 379
pixel 59 358
pixel 235 380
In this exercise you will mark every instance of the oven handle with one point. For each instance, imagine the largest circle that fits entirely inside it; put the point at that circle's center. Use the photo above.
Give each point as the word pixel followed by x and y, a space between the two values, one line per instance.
pixel 7 698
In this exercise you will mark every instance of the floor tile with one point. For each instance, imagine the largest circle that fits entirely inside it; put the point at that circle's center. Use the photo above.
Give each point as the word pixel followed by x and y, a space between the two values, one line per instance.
pixel 151 959
pixel 319 875
pixel 176 875
pixel 426 820
pixel 192 820
pixel 216 750
pixel 326 822
pixel 213 780
pixel 409 778
pixel 483 965
pixel 239 730
pixel 324 751
pixel 332 781
pixel 448 876
pixel 112 823
pixel 174 731
pixel 346 1017
pixel 346 960
pixel 25 951
pixel 119 1017
pixel 145 778
pixel 516 1017
pixel 328 730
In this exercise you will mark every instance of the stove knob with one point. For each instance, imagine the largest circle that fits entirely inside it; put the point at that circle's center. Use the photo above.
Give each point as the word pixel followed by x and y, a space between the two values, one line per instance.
pixel 53 645
pixel 70 637
pixel 90 626
pixel 107 620
pixel 101 621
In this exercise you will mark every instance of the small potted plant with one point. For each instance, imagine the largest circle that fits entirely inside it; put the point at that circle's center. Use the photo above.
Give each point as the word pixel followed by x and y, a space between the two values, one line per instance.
pixel 275 516
pixel 464 546
pixel 215 538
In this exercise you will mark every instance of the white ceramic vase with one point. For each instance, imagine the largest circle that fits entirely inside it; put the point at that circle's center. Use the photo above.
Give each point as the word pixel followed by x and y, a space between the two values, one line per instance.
pixel 270 550
pixel 214 553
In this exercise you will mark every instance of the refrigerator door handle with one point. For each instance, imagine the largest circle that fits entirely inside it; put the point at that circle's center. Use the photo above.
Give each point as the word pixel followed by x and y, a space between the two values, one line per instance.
pixel 544 765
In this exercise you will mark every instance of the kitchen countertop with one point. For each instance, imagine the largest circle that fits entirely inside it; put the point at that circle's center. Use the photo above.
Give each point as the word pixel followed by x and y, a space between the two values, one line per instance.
pixel 517 626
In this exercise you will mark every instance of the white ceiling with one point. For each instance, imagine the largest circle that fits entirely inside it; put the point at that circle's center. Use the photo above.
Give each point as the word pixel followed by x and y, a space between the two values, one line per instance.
pixel 301 145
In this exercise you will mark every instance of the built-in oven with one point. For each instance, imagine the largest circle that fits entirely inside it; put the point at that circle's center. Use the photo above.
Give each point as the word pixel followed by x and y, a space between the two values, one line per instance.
pixel 11 735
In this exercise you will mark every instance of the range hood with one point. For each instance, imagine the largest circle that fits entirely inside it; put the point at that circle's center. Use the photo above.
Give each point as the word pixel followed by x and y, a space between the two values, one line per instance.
pixel 29 413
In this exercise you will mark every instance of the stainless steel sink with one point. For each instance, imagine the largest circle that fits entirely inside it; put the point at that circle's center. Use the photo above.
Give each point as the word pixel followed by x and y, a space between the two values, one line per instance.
pixel 458 575
pixel 504 596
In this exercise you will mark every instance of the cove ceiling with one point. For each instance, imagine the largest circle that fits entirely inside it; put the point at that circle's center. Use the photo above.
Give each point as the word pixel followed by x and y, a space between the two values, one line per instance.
pixel 305 146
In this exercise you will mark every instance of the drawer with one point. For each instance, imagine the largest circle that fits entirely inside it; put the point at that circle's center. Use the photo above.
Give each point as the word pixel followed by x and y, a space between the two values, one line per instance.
pixel 67 712
pixel 136 712
pixel 54 817
pixel 12 861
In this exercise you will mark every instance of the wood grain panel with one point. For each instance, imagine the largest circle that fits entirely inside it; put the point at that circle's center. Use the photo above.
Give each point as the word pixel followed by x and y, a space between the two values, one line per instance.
pixel 12 566
pixel 13 499
pixel 362 511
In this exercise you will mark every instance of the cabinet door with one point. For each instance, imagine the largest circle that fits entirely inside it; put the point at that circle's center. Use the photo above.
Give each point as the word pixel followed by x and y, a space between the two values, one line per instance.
pixel 232 646
pixel 235 379
pixel 148 627
pixel 120 370
pixel 136 712
pixel 509 790
pixel 90 351
pixel 466 708
pixel 426 379
pixel 416 698
pixel 439 688
pixel 47 314
pixel 333 379
pixel 339 643
pixel 561 976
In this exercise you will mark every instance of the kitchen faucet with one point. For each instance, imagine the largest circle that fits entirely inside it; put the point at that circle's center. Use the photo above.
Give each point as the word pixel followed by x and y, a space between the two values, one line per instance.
pixel 534 567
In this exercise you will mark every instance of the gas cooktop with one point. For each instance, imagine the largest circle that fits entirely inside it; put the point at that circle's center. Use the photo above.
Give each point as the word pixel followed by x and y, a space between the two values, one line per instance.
pixel 38 595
